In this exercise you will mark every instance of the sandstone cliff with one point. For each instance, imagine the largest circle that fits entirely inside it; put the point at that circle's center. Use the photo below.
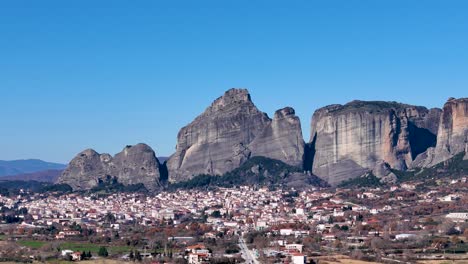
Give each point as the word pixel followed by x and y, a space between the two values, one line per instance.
pixel 231 131
pixel 133 165
pixel 281 139
pixel 350 140
pixel 452 136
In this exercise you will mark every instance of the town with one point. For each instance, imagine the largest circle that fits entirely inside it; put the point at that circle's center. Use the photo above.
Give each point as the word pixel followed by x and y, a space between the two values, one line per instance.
pixel 409 222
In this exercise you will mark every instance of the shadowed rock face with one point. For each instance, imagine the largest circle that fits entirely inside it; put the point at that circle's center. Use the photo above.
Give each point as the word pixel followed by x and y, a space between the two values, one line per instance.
pixel 135 164
pixel 349 140
pixel 229 132
pixel 452 137
pixel 281 139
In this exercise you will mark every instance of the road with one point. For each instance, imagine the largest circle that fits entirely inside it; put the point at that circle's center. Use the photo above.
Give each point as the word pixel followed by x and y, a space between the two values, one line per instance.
pixel 247 253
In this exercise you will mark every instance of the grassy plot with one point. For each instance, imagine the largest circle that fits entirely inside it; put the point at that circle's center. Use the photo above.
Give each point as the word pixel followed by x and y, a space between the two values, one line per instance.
pixel 94 248
pixel 32 243
pixel 77 246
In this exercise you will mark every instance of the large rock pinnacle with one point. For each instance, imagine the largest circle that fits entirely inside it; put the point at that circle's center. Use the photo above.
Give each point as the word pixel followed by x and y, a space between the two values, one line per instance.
pixel 229 132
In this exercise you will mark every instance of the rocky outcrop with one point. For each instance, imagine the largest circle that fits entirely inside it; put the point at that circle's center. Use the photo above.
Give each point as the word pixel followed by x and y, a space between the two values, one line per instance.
pixel 452 136
pixel 217 140
pixel 349 140
pixel 281 139
pixel 383 171
pixel 133 165
pixel 231 131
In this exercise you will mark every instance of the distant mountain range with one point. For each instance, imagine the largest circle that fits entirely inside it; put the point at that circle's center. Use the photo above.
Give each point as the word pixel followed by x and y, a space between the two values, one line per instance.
pixel 26 166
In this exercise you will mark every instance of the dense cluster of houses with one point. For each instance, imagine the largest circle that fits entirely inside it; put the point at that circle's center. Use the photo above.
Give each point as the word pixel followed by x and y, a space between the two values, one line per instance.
pixel 238 210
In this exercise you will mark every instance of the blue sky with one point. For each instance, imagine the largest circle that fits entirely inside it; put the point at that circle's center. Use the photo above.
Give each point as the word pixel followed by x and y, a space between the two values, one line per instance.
pixel 104 74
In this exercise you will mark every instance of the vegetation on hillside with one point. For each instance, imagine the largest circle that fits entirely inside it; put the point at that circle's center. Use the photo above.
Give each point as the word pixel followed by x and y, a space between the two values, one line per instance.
pixel 453 168
pixel 371 106
pixel 10 188
pixel 368 180
pixel 256 171
pixel 112 185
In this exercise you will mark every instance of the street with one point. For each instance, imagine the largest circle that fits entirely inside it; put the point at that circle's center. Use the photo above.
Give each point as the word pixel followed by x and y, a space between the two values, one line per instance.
pixel 247 253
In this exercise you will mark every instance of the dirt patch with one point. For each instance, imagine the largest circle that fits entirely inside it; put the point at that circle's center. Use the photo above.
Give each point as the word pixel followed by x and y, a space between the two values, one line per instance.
pixel 342 260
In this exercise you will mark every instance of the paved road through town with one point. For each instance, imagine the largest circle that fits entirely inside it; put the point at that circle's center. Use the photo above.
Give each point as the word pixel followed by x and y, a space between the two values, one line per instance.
pixel 247 253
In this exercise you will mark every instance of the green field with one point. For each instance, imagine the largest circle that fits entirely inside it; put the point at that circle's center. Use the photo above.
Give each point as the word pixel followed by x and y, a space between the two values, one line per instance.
pixel 2 237
pixel 77 246
pixel 94 248
pixel 32 243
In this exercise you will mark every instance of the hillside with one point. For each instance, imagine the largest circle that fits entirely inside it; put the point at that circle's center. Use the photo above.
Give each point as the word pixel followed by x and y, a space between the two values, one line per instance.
pixel 455 167
pixel 40 176
pixel 256 171
pixel 15 167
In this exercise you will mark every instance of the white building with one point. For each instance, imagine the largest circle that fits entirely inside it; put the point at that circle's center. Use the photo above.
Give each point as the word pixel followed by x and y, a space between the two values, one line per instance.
pixel 297 247
pixel 405 236
pixel 286 232
pixel 458 217
pixel 298 258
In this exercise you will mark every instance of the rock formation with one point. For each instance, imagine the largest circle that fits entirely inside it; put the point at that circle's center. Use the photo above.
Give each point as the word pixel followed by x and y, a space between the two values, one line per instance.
pixel 281 139
pixel 349 140
pixel 133 165
pixel 452 136
pixel 231 131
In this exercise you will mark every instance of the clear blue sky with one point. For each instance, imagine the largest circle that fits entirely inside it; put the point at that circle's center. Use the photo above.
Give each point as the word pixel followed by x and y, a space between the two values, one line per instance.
pixel 104 74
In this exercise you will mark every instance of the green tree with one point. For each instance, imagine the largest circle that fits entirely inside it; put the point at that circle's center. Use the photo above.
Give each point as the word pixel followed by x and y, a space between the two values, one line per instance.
pixel 138 256
pixel 216 214
pixel 103 252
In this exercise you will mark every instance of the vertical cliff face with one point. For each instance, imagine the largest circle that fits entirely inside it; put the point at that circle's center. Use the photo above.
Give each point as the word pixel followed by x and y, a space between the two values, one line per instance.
pixel 452 137
pixel 281 139
pixel 135 164
pixel 217 140
pixel 228 133
pixel 349 140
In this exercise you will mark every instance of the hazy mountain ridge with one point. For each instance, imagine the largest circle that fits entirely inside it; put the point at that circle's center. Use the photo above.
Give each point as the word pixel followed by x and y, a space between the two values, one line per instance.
pixel 15 167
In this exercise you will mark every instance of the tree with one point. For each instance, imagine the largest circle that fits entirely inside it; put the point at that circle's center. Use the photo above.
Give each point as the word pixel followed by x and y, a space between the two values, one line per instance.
pixel 447 227
pixel 138 255
pixel 103 252
pixel 109 218
pixel 216 214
